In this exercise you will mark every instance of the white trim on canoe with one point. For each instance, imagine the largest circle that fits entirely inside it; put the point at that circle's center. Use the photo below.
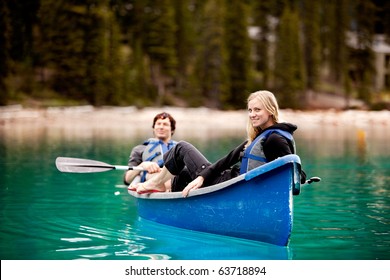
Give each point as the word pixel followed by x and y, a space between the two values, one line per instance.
pixel 247 176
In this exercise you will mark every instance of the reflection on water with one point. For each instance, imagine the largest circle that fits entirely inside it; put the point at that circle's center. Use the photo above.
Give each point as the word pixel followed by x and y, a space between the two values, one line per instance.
pixel 174 242
pixel 45 214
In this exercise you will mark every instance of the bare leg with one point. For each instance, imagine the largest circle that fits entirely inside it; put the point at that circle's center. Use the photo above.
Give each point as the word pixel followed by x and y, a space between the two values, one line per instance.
pixel 156 183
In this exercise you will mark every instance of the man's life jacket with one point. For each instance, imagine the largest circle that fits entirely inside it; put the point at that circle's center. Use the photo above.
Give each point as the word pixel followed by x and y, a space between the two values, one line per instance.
pixel 254 154
pixel 154 151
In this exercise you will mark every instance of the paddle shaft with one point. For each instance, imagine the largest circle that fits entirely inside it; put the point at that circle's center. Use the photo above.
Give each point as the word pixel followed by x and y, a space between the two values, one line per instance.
pixel 79 165
pixel 113 167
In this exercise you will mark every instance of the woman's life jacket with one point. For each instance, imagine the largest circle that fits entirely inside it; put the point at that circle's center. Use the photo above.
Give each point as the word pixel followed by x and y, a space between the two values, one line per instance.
pixel 254 154
pixel 154 151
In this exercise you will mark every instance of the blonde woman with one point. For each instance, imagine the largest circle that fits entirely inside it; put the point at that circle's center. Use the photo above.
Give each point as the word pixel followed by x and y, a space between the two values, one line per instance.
pixel 267 140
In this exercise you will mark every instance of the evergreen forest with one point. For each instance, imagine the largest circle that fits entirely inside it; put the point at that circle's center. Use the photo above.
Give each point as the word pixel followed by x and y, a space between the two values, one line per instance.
pixel 188 53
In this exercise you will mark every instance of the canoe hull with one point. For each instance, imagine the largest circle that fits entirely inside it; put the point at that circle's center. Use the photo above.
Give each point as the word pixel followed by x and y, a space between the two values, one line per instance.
pixel 256 206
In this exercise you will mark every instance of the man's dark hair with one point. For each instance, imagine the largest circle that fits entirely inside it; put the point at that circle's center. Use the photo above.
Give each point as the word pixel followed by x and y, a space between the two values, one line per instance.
pixel 165 115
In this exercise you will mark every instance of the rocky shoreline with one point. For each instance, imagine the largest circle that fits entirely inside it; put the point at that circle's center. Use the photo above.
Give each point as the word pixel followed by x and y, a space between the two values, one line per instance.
pixel 194 121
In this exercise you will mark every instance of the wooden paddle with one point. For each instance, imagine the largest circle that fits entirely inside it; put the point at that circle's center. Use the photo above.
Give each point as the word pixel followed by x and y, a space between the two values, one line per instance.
pixel 79 165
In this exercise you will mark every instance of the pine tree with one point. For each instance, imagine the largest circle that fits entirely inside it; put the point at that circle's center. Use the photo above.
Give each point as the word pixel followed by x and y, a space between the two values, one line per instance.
pixel 5 44
pixel 61 48
pixel 211 54
pixel 337 22
pixel 185 40
pixel 101 51
pixel 77 46
pixel 23 17
pixel 312 48
pixel 145 52
pixel 289 66
pixel 136 82
pixel 362 55
pixel 261 19
pixel 159 45
pixel 384 17
pixel 238 50
pixel 94 52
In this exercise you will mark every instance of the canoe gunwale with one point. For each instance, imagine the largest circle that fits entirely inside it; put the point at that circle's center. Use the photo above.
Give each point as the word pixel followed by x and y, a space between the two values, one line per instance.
pixel 268 167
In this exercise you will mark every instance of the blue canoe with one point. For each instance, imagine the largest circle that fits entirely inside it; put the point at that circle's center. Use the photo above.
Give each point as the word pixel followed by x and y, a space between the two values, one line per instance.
pixel 257 205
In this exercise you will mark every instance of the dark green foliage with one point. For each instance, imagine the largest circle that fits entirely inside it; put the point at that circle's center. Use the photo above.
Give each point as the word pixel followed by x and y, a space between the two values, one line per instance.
pixel 362 58
pixel 160 40
pixel 187 52
pixel 289 67
pixel 79 45
pixel 4 50
pixel 238 52
pixel 312 49
pixel 185 44
pixel 262 20
pixel 159 45
pixel 211 53
pixel 337 32
pixel 23 15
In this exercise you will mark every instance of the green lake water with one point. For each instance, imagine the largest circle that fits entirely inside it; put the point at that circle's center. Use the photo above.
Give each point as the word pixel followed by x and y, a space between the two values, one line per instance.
pixel 48 215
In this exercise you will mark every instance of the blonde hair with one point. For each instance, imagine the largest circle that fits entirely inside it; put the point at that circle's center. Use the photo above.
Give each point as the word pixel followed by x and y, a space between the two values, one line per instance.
pixel 270 104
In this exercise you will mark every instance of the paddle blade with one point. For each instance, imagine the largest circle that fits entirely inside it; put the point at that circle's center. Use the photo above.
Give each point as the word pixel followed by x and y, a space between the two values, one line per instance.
pixel 78 165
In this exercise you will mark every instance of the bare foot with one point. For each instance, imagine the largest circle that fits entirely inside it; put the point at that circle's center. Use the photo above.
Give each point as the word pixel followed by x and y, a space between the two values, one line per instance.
pixel 149 187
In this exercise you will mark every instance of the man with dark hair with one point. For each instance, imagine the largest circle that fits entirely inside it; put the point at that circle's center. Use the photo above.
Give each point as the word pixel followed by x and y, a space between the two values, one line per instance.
pixel 149 155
